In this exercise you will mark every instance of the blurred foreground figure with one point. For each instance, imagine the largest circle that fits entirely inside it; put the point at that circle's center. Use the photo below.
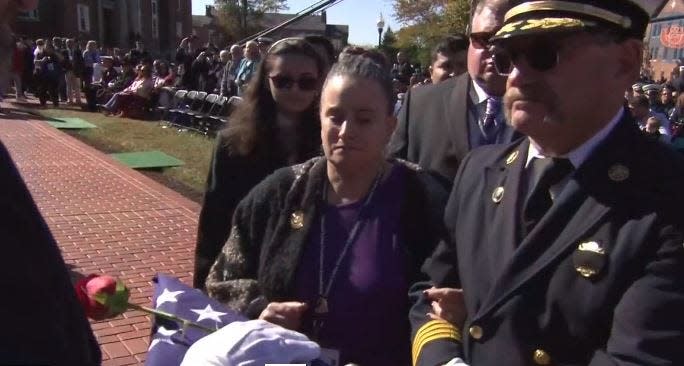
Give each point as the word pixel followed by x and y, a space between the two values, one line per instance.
pixel 43 323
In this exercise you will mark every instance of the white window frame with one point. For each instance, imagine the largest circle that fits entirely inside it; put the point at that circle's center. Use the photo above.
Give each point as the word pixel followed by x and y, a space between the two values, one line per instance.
pixel 179 29
pixel 32 15
pixel 83 13
pixel 155 19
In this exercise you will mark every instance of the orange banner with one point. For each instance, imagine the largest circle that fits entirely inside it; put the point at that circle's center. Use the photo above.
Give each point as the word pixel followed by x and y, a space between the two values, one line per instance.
pixel 672 37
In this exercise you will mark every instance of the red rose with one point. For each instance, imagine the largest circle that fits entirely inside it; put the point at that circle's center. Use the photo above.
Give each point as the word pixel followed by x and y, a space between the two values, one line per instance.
pixel 102 296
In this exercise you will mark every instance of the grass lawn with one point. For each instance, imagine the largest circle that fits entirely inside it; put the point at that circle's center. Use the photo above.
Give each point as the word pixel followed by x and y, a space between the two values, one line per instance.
pixel 115 135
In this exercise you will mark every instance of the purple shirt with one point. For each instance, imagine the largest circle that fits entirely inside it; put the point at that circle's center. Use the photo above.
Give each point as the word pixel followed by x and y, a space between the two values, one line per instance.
pixel 368 302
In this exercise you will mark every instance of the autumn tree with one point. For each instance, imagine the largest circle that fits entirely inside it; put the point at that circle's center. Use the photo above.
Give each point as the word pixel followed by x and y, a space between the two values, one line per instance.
pixel 241 18
pixel 426 22
pixel 388 44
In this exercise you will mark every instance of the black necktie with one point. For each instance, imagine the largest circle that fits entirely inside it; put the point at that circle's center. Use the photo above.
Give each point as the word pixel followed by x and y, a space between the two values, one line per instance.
pixel 544 173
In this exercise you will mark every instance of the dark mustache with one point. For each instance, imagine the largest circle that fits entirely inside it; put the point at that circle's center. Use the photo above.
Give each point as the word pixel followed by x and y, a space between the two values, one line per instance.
pixel 539 95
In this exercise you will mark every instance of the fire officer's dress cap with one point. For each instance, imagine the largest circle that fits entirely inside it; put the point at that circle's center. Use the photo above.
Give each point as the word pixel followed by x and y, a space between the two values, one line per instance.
pixel 627 17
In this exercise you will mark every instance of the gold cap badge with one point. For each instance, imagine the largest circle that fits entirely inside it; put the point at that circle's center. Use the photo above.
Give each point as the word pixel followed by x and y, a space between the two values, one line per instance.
pixel 589 259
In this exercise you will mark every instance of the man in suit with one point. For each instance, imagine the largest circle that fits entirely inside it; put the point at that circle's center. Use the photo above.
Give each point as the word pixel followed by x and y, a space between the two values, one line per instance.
pixel 43 323
pixel 439 124
pixel 568 244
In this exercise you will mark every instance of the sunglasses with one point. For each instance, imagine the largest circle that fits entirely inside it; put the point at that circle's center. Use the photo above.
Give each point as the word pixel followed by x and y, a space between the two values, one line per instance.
pixel 480 40
pixel 540 56
pixel 305 83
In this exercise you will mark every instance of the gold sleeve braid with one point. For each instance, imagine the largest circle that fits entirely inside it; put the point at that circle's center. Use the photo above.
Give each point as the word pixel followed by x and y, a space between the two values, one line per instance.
pixel 430 331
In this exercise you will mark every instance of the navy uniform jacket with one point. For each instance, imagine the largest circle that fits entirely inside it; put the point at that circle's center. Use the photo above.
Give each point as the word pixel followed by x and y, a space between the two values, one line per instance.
pixel 598 281
pixel 42 321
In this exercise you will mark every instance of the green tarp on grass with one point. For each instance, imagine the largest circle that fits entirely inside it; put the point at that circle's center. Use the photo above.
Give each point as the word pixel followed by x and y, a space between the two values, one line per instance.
pixel 147 160
pixel 70 123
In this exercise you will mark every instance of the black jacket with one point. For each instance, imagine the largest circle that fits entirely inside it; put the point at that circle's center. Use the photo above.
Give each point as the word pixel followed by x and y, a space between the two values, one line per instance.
pixel 230 178
pixel 433 128
pixel 261 256
pixel 43 322
pixel 598 281
pixel 77 65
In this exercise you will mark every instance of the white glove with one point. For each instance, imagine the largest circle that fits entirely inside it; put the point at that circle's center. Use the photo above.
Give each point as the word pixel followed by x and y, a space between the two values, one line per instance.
pixel 251 343
pixel 456 362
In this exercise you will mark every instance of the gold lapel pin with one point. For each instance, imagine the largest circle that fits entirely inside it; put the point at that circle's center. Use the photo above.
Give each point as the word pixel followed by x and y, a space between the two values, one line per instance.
pixel 297 220
pixel 589 259
pixel 497 195
pixel 511 158
pixel 618 173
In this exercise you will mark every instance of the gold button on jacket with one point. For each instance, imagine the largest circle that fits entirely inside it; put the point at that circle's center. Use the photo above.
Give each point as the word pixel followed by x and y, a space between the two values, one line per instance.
pixel 541 357
pixel 475 332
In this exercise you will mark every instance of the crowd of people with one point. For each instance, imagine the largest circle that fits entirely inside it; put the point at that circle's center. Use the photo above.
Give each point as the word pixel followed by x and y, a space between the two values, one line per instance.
pixel 521 209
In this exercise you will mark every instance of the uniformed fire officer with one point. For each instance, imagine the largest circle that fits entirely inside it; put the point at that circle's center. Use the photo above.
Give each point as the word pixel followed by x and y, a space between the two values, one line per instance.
pixel 568 244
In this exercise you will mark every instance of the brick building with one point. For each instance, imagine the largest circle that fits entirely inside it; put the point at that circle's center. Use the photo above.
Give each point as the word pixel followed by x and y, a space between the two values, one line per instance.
pixel 207 29
pixel 664 43
pixel 160 24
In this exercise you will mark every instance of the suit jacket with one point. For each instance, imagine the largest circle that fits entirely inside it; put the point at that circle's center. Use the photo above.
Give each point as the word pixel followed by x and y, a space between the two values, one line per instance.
pixel 433 129
pixel 598 281
pixel 43 322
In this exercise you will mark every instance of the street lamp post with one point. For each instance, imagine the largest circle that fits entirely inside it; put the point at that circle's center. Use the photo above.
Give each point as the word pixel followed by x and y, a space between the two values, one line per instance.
pixel 381 26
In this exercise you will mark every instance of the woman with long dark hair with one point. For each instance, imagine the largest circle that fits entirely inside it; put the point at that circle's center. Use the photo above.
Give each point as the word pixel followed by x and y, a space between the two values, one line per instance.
pixel 275 125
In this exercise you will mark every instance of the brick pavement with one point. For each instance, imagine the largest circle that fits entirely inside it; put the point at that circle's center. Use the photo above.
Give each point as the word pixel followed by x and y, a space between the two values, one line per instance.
pixel 106 218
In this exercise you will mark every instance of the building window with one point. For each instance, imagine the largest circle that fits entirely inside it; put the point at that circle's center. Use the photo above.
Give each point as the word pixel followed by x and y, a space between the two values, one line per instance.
pixel 155 28
pixel 179 29
pixel 155 19
pixel 83 12
pixel 30 15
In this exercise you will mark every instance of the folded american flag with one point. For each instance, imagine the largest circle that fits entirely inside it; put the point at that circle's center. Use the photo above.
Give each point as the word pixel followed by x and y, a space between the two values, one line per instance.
pixel 170 341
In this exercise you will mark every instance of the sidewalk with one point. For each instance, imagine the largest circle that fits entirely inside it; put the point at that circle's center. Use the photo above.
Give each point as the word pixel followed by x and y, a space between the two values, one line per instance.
pixel 106 218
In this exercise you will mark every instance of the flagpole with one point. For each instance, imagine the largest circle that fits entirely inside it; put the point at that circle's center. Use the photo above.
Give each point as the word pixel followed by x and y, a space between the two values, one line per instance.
pixel 297 18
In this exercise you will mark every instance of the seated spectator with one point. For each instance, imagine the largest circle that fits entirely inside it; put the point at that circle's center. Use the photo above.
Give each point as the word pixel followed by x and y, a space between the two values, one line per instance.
pixel 164 81
pixel 132 101
pixel 163 75
pixel 109 72
pixel 98 92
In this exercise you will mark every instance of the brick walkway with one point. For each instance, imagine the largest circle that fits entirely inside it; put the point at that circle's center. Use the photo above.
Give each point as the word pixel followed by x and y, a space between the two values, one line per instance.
pixel 106 218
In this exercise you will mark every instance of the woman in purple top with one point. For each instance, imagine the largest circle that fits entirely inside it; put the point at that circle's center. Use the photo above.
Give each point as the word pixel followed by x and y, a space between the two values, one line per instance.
pixel 329 247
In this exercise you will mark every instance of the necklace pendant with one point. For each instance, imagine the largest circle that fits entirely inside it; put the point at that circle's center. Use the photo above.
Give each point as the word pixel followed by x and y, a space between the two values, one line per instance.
pixel 321 306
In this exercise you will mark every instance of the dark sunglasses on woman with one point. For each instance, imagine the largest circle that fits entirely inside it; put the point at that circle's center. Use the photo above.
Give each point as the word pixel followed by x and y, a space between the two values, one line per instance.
pixel 305 83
